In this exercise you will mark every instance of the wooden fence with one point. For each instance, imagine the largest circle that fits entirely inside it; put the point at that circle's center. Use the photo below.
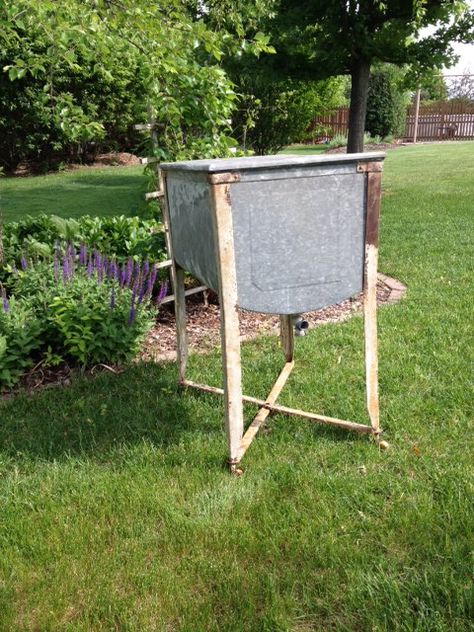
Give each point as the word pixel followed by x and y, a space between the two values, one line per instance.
pixel 448 120
pixel 328 125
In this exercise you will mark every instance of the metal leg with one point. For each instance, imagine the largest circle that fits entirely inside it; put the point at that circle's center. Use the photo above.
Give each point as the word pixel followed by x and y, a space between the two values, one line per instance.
pixel 230 333
pixel 370 298
pixel 287 337
pixel 370 335
pixel 234 418
pixel 180 314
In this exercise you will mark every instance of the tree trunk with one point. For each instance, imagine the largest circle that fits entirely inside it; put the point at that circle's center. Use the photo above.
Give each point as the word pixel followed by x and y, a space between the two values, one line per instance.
pixel 358 107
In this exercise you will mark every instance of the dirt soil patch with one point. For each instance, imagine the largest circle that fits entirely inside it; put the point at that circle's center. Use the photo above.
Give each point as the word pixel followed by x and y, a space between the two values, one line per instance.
pixel 110 159
pixel 203 321
pixel 368 147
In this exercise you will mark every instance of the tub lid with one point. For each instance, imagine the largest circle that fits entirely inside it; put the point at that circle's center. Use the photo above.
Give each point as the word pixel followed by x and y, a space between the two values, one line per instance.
pixel 267 162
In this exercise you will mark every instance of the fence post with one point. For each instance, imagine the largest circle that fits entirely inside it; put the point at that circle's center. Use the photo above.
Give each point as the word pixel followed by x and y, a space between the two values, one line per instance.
pixel 417 113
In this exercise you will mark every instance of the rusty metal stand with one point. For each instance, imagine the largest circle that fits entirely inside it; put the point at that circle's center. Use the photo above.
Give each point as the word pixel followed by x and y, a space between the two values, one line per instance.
pixel 238 441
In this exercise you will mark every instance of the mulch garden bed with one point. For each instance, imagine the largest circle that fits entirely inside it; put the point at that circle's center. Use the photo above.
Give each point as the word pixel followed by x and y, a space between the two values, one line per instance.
pixel 110 159
pixel 203 322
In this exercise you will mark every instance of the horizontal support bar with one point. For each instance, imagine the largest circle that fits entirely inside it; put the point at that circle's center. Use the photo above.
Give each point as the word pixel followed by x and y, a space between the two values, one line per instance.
pixel 285 410
pixel 149 160
pixel 154 194
pixel 145 126
pixel 193 290
pixel 164 264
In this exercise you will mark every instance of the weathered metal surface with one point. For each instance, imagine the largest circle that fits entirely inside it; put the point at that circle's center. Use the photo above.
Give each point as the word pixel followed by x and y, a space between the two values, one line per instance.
pixel 298 226
pixel 167 231
pixel 366 167
pixel 189 201
pixel 194 290
pixel 220 165
pixel 299 240
pixel 223 178
pixel 374 189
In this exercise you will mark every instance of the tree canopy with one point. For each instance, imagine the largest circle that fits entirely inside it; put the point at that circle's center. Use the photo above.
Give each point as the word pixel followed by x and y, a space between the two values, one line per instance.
pixel 80 71
pixel 319 38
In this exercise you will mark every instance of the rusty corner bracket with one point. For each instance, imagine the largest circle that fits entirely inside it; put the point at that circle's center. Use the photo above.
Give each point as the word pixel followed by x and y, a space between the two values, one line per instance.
pixel 223 178
pixel 370 167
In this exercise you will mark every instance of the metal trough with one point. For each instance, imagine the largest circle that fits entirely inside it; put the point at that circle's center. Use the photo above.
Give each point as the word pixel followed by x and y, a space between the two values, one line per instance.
pixel 298 227
pixel 280 235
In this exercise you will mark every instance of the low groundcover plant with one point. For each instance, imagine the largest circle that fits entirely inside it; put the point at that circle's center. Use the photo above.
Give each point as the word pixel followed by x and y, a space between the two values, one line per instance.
pixel 82 306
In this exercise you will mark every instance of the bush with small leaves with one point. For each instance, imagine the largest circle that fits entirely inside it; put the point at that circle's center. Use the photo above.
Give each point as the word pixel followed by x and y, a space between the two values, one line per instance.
pixel 20 338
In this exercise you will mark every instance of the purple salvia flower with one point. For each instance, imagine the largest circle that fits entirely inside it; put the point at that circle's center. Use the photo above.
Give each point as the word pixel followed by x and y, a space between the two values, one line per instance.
pixel 23 262
pixel 71 267
pixel 136 283
pixel 141 293
pixel 56 266
pixel 131 314
pixel 123 275
pixel 6 304
pixel 97 260
pixel 83 255
pixel 65 268
pixel 138 271
pixel 90 267
pixel 112 298
pixel 129 274
pixel 163 292
pixel 152 278
pixel 146 268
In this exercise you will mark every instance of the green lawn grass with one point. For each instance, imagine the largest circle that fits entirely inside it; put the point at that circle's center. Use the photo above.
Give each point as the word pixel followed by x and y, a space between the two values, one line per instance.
pixel 117 512
pixel 304 149
pixel 86 191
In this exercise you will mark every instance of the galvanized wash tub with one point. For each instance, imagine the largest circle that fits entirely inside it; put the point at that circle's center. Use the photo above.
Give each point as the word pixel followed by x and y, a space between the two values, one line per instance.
pixel 298 226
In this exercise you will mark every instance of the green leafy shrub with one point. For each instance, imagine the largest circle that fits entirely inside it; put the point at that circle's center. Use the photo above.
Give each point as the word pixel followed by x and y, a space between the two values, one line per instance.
pixel 275 111
pixel 83 308
pixel 338 140
pixel 34 238
pixel 20 336
pixel 68 87
pixel 75 76
pixel 94 323
pixel 386 103
pixel 124 236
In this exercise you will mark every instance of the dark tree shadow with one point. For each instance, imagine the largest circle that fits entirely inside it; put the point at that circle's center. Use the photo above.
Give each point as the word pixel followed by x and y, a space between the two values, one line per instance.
pixel 93 416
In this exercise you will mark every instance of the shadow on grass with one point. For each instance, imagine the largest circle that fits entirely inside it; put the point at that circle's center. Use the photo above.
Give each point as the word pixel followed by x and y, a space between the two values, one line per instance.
pixel 96 415
pixel 113 180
